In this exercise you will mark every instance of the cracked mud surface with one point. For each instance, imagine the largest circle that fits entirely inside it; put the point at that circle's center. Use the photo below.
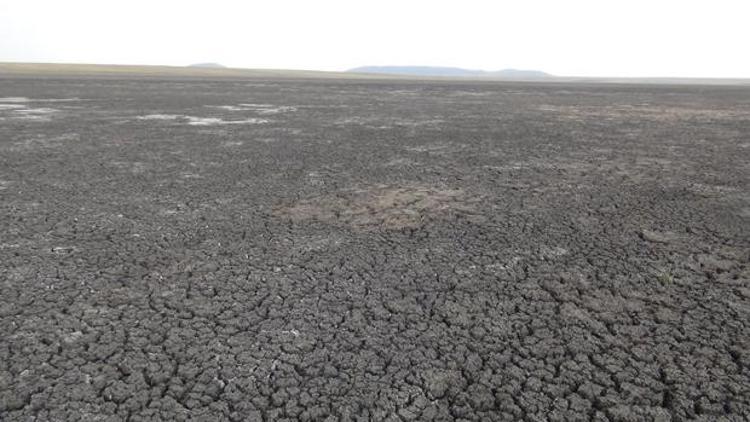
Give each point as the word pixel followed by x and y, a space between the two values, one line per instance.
pixel 352 251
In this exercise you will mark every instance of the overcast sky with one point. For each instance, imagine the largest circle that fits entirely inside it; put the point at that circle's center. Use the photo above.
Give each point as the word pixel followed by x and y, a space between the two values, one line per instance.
pixel 708 38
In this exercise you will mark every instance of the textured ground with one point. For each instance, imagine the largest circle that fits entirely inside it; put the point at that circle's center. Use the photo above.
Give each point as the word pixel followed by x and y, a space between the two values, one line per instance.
pixel 323 250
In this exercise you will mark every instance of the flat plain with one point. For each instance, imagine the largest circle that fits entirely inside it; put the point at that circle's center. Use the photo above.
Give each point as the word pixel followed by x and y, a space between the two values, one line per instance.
pixel 353 250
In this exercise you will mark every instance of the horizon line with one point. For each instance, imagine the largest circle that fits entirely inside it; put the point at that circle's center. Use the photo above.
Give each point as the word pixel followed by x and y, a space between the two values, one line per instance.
pixel 548 77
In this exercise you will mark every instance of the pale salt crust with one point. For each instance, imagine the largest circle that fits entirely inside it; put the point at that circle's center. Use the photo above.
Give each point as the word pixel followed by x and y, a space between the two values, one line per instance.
pixel 201 121
pixel 42 110
pixel 23 112
pixel 228 107
pixel 36 100
pixel 14 100
pixel 268 109
pixel 209 121
pixel 18 108
pixel 159 117
pixel 256 108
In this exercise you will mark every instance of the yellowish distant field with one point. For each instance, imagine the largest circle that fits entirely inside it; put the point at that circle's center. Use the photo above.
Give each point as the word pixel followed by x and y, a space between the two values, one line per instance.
pixel 65 69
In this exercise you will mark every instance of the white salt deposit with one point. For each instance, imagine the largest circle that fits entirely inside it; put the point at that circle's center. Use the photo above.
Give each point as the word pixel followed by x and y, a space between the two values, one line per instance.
pixel 201 121
pixel 256 108
pixel 42 110
pixel 159 117
pixel 14 100
pixel 229 107
pixel 210 121
pixel 19 110
pixel 268 108
pixel 36 100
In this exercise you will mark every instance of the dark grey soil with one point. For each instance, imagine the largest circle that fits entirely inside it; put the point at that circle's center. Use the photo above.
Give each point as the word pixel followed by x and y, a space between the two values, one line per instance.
pixel 373 251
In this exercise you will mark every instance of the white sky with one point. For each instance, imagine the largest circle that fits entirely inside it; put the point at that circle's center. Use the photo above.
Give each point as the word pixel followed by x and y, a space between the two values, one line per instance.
pixel 709 38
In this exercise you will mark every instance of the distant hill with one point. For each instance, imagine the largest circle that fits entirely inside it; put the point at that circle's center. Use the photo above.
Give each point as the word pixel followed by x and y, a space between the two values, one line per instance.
pixel 209 65
pixel 452 72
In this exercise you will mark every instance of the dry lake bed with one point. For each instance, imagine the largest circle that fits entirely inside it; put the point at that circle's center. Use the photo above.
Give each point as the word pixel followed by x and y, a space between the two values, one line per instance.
pixel 226 249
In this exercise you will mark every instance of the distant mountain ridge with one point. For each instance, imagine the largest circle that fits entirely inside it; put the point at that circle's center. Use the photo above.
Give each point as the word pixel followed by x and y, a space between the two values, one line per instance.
pixel 452 72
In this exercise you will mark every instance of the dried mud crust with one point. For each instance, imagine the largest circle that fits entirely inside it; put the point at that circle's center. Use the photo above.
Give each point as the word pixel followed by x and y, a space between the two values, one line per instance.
pixel 380 207
pixel 373 251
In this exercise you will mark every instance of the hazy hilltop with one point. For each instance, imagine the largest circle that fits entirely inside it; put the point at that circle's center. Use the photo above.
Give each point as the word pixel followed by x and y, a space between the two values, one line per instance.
pixel 208 65
pixel 452 72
